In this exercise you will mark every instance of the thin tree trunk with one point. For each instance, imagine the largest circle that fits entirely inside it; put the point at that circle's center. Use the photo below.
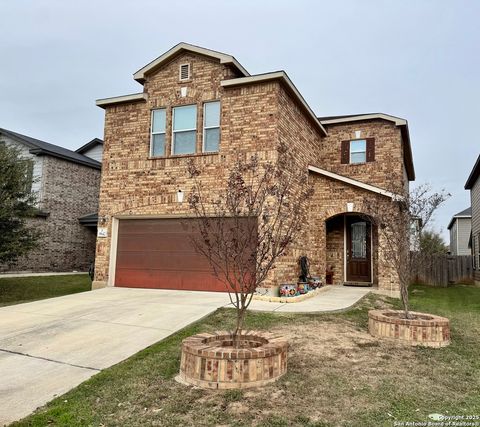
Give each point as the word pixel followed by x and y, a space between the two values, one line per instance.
pixel 240 322
pixel 404 296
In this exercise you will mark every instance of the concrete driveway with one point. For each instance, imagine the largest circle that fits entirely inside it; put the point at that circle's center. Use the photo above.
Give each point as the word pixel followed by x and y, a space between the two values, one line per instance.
pixel 50 346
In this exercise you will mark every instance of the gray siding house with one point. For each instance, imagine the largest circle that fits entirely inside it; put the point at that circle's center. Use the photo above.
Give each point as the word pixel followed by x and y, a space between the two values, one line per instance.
pixel 67 184
pixel 460 228
pixel 473 184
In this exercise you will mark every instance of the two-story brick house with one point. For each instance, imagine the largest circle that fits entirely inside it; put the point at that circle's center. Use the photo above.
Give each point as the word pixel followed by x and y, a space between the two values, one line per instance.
pixel 66 184
pixel 203 105
pixel 473 184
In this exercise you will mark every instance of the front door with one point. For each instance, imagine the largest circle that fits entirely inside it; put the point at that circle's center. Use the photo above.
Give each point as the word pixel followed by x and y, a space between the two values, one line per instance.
pixel 358 249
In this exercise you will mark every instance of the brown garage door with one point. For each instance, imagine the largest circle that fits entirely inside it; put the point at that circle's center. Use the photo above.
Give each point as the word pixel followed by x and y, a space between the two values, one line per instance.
pixel 158 253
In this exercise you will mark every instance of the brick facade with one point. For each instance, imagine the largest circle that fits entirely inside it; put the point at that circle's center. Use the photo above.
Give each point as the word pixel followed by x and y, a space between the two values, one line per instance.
pixel 254 118
pixel 68 191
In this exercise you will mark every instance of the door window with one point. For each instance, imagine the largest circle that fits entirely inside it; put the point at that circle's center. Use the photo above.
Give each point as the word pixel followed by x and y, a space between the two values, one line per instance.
pixel 359 240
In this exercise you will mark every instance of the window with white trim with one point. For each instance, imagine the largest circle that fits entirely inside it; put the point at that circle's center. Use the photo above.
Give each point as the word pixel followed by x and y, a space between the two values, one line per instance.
pixel 184 129
pixel 157 140
pixel 211 126
pixel 358 151
pixel 184 72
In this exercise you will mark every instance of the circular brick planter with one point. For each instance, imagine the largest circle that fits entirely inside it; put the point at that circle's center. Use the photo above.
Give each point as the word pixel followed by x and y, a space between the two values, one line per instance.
pixel 424 329
pixel 211 361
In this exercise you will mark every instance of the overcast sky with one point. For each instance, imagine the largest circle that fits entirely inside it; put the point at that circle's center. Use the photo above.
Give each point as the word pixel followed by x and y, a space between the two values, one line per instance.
pixel 417 59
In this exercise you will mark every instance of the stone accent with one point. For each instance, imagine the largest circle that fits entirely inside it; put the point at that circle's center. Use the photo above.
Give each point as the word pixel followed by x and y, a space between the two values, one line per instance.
pixel 210 360
pixel 68 191
pixel 425 329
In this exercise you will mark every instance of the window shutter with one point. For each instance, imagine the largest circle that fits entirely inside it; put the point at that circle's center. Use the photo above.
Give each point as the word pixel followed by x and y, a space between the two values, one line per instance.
pixel 345 157
pixel 370 149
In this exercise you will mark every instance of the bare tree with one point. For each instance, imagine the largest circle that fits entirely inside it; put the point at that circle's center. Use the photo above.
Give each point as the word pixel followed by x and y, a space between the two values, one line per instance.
pixel 401 221
pixel 248 225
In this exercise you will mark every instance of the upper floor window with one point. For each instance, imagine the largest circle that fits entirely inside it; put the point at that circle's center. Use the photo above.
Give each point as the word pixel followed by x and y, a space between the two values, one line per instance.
pixel 184 72
pixel 211 126
pixel 358 151
pixel 157 141
pixel 184 129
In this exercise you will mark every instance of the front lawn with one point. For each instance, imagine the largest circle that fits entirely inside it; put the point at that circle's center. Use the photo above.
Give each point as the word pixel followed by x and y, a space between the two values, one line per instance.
pixel 337 375
pixel 15 290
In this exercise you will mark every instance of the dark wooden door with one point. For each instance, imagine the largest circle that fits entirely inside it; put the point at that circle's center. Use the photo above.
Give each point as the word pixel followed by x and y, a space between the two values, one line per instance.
pixel 159 253
pixel 358 249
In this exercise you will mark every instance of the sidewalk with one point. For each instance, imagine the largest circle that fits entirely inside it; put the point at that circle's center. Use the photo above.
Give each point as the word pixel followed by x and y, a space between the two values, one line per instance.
pixel 332 299
pixel 8 275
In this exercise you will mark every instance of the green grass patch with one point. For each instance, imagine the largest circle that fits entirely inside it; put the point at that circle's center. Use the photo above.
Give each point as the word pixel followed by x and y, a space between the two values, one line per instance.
pixel 16 290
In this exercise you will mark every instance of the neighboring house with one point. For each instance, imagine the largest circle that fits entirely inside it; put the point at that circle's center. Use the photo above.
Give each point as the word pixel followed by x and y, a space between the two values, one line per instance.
pixel 473 184
pixel 67 185
pixel 460 228
pixel 202 105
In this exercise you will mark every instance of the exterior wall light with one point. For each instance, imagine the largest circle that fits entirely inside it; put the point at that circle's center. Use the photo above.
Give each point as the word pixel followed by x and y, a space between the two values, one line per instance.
pixel 180 195
pixel 350 207
pixel 102 220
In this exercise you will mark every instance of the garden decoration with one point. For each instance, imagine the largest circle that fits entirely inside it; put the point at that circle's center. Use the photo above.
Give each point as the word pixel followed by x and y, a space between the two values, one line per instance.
pixel 302 288
pixel 288 290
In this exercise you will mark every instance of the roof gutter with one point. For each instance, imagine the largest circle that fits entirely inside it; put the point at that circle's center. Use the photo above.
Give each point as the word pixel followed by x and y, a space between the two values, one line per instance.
pixel 107 102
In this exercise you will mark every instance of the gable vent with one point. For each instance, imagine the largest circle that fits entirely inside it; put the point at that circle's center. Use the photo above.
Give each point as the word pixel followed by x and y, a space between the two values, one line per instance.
pixel 184 71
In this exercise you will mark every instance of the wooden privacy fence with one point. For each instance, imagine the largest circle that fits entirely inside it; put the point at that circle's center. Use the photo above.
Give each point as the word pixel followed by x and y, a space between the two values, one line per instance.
pixel 442 270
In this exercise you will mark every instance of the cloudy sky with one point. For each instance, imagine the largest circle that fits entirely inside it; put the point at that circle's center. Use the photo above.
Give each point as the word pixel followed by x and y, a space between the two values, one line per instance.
pixel 417 59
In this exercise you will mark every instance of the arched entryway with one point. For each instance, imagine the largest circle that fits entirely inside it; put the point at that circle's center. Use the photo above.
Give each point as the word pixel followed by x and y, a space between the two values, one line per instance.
pixel 350 249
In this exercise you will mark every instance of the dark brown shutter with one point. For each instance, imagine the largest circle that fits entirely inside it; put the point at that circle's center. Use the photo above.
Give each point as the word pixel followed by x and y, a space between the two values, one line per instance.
pixel 345 157
pixel 370 149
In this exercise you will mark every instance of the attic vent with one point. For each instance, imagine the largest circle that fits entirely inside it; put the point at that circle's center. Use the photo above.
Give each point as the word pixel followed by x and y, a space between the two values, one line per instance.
pixel 184 71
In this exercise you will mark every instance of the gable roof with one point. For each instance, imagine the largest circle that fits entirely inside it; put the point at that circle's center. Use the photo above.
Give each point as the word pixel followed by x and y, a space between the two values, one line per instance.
pixel 474 174
pixel 398 121
pixel 282 77
pixel 89 145
pixel 466 213
pixel 224 58
pixel 40 148
pixel 354 182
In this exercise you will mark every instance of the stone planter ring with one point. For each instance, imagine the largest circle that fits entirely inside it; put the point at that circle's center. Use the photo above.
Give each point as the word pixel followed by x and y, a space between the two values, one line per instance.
pixel 211 360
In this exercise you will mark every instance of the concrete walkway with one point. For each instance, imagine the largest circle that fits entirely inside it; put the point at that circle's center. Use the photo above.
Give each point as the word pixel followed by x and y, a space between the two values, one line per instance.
pixel 48 347
pixel 331 299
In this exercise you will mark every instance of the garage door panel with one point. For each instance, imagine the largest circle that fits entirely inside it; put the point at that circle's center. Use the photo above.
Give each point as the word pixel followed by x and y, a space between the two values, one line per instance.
pixel 155 242
pixel 156 226
pixel 173 261
pixel 159 253
pixel 196 281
